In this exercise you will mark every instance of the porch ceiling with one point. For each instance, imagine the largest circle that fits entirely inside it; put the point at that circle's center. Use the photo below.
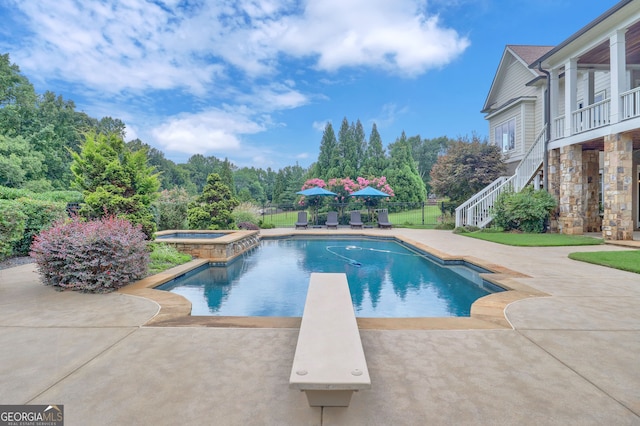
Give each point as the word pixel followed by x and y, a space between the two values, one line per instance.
pixel 598 144
pixel 600 54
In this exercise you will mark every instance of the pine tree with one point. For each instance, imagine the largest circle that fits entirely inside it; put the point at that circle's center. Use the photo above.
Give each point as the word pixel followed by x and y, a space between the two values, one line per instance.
pixel 328 158
pixel 402 174
pixel 213 208
pixel 347 151
pixel 115 181
pixel 361 146
pixel 375 159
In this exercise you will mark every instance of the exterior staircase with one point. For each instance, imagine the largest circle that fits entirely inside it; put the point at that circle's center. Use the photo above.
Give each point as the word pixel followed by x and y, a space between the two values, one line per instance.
pixel 478 210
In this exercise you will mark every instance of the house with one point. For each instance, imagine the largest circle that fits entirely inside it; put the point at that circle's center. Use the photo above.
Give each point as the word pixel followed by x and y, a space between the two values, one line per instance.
pixel 568 118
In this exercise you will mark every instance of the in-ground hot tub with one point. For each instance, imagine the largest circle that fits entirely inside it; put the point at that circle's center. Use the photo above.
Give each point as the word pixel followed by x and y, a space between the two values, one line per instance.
pixel 217 246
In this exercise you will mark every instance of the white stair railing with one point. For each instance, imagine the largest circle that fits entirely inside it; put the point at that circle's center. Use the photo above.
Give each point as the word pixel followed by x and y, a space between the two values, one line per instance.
pixel 467 216
pixel 477 210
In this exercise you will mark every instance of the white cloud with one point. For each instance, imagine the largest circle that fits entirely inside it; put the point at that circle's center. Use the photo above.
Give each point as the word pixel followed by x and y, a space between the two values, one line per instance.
pixel 320 125
pixel 211 131
pixel 225 56
pixel 388 115
pixel 396 36
pixel 139 45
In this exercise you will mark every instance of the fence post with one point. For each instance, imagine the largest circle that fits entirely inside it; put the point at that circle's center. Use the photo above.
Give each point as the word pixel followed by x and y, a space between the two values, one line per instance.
pixel 423 212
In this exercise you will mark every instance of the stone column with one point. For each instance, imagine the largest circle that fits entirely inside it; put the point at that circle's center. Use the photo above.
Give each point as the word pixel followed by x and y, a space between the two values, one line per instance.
pixel 554 186
pixel 571 220
pixel 590 173
pixel 617 223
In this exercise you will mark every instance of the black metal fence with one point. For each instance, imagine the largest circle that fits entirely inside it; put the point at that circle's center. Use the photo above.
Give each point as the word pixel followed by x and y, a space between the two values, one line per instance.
pixel 428 213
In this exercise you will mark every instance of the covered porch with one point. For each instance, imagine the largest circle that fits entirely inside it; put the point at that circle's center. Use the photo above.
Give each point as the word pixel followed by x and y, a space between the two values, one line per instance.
pixel 597 186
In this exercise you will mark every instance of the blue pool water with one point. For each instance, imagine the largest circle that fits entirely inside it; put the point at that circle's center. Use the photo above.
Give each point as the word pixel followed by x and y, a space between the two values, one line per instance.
pixel 386 280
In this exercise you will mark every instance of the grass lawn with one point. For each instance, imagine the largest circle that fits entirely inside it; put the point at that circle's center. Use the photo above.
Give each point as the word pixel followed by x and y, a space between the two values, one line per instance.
pixel 534 240
pixel 625 260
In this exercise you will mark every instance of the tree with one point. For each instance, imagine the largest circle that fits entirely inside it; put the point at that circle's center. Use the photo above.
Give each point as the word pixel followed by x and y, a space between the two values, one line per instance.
pixel 328 158
pixel 111 126
pixel 17 98
pixel 225 171
pixel 288 182
pixel 19 162
pixel 347 151
pixel 466 168
pixel 425 152
pixel 199 168
pixel 115 181
pixel 361 145
pixel 171 175
pixel 375 159
pixel 402 174
pixel 214 207
pixel 248 183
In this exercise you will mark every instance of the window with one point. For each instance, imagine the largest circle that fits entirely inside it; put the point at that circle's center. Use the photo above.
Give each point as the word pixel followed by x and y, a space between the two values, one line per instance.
pixel 505 135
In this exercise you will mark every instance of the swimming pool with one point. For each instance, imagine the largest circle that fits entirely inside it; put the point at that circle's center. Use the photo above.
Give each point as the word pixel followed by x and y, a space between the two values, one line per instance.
pixel 387 280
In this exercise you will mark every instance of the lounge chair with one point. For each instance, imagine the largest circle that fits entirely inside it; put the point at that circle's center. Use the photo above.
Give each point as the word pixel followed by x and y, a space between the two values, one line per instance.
pixel 383 219
pixel 332 220
pixel 302 220
pixel 356 220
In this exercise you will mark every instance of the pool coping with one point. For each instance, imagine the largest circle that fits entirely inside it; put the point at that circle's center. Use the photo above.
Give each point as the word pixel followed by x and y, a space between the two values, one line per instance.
pixel 488 312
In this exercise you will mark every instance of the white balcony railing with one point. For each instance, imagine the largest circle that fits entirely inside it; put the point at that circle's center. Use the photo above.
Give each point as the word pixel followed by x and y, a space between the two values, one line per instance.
pixel 591 117
pixel 478 210
pixel 631 103
pixel 558 127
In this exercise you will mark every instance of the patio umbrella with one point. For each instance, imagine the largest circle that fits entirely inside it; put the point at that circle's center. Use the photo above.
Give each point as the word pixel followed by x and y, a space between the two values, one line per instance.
pixel 369 192
pixel 316 191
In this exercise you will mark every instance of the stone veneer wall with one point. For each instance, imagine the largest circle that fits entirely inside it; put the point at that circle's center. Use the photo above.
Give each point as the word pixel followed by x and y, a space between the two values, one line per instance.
pixel 217 249
pixel 554 185
pixel 590 173
pixel 617 223
pixel 571 205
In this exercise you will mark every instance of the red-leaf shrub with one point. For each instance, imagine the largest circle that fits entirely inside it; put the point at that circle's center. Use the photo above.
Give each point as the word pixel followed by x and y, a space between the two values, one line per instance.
pixel 97 256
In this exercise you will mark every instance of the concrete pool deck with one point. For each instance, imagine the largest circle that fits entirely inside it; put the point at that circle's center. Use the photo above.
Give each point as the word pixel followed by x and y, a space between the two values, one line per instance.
pixel 570 358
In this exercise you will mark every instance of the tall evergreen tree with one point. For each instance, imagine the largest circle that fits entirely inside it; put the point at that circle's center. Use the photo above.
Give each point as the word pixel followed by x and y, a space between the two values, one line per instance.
pixel 402 174
pixel 213 208
pixel 115 181
pixel 361 146
pixel 347 152
pixel 375 159
pixel 225 171
pixel 328 158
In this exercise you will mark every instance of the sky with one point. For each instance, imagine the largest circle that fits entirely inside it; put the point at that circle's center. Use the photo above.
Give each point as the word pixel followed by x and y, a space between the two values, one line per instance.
pixel 257 81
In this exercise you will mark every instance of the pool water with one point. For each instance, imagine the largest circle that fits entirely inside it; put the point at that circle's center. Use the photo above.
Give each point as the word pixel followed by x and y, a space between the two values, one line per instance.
pixel 386 279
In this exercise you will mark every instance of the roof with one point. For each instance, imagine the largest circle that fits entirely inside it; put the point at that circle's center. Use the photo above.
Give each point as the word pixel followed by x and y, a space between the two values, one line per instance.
pixel 529 54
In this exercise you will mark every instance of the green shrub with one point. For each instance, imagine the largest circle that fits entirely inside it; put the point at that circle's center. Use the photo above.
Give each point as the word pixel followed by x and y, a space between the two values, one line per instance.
pixel 171 209
pixel 246 212
pixel 265 225
pixel 525 211
pixel 7 193
pixel 12 223
pixel 165 256
pixel 59 196
pixel 96 256
pixel 39 215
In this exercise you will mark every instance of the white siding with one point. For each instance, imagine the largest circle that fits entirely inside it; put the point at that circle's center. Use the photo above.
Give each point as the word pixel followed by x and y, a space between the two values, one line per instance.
pixel 513 83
